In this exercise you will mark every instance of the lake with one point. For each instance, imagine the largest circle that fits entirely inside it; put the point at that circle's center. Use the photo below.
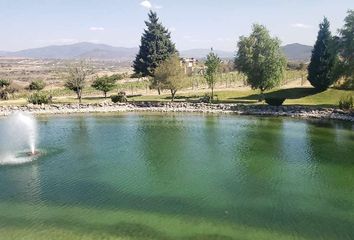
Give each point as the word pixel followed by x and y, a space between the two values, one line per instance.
pixel 182 176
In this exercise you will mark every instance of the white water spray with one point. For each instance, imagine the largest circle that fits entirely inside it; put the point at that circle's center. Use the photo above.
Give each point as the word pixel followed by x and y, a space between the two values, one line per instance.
pixel 18 139
pixel 29 129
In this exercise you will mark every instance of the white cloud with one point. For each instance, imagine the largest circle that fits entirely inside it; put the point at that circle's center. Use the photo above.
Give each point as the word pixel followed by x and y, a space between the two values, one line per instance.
pixel 96 28
pixel 301 25
pixel 172 29
pixel 146 4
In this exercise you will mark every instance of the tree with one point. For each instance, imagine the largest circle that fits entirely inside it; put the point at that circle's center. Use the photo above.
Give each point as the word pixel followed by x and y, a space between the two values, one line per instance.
pixel 260 58
pixel 347 48
pixel 37 85
pixel 77 76
pixel 213 67
pixel 156 46
pixel 171 75
pixel 323 59
pixel 104 84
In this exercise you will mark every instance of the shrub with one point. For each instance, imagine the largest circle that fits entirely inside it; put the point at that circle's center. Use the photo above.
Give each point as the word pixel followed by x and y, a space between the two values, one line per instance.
pixel 37 85
pixel 272 101
pixel 4 94
pixel 205 99
pixel 4 83
pixel 346 103
pixel 121 98
pixel 8 90
pixel 39 98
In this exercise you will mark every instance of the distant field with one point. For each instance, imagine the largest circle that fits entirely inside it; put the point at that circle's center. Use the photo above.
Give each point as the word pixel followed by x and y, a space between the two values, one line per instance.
pixel 23 71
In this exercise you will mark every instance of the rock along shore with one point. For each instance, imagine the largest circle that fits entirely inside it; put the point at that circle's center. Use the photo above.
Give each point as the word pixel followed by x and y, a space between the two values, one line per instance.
pixel 240 109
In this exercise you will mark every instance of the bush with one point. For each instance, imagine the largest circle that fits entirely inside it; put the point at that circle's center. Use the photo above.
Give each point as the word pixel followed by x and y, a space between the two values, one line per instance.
pixel 121 98
pixel 37 85
pixel 4 94
pixel 205 99
pixel 4 83
pixel 346 103
pixel 272 101
pixel 39 98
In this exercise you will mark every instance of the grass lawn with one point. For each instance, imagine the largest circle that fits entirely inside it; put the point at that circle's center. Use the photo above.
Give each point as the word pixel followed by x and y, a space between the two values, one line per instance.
pixel 294 96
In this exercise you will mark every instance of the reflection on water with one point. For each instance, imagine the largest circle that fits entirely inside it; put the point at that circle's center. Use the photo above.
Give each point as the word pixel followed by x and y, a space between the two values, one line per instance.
pixel 216 177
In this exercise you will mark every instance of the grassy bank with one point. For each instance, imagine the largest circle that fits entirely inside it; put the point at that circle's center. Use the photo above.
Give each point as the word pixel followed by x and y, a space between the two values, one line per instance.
pixel 294 96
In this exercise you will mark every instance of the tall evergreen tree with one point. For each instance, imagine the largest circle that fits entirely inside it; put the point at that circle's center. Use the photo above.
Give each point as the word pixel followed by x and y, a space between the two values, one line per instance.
pixel 323 60
pixel 347 48
pixel 156 46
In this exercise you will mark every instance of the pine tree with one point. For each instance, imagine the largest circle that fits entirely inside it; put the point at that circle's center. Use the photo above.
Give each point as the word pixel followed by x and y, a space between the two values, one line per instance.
pixel 346 45
pixel 156 46
pixel 323 60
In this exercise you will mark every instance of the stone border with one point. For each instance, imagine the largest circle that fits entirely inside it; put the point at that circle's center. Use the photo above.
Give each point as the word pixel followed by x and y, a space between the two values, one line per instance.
pixel 240 109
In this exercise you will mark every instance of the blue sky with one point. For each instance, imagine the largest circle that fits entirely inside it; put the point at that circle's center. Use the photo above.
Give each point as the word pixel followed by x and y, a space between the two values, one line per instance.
pixel 193 23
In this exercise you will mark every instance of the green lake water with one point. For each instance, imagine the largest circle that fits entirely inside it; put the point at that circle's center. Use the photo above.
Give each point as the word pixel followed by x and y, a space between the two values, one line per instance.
pixel 154 176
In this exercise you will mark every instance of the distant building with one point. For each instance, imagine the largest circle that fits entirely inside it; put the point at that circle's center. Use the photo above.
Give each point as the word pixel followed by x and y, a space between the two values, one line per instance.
pixel 189 65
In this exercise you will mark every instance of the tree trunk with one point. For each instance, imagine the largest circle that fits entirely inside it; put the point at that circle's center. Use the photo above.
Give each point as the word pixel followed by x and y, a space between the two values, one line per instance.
pixel 261 97
pixel 159 91
pixel 212 94
pixel 105 95
pixel 173 94
pixel 79 95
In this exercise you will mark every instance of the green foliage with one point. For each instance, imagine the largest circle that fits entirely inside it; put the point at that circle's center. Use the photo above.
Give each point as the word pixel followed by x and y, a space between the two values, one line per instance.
pixel 117 77
pixel 321 69
pixel 37 85
pixel 4 83
pixel 273 101
pixel 346 45
pixel 121 98
pixel 170 75
pixel 260 58
pixel 205 99
pixel 76 77
pixel 299 66
pixel 104 84
pixel 39 98
pixel 156 46
pixel 346 103
pixel 212 63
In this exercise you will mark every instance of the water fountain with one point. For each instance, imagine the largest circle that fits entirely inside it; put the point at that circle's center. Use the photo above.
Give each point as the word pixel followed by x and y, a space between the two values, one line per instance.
pixel 18 139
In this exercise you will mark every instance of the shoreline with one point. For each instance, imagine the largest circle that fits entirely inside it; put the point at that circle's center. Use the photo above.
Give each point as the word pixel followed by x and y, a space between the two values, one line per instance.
pixel 303 112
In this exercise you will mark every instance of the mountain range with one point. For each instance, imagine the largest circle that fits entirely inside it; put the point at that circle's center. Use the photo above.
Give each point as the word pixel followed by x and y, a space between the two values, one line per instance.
pixel 85 50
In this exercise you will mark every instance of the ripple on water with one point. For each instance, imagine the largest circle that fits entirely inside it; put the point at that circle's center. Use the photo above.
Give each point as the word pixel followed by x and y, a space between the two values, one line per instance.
pixel 17 158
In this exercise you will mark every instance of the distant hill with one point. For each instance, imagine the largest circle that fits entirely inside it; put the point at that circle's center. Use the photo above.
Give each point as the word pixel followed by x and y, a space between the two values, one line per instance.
pixel 297 52
pixel 85 50
pixel 77 51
